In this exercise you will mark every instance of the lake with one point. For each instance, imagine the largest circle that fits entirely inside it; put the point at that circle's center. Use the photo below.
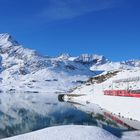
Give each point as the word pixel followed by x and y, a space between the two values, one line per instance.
pixel 22 112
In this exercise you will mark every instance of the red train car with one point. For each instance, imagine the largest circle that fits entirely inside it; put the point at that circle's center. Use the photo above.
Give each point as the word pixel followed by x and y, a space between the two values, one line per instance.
pixel 123 93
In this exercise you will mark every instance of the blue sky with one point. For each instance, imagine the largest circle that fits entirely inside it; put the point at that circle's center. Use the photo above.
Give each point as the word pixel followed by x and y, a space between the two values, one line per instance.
pixel 107 27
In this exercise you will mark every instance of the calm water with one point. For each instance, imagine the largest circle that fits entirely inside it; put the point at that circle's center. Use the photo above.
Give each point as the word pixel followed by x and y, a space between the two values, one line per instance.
pixel 25 112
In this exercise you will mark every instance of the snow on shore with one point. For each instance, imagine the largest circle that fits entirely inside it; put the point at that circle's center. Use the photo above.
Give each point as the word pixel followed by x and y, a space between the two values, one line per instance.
pixel 95 95
pixel 134 135
pixel 69 132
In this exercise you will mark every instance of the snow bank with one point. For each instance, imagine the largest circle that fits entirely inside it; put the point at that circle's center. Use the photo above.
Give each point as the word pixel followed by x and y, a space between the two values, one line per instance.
pixel 69 132
pixel 134 135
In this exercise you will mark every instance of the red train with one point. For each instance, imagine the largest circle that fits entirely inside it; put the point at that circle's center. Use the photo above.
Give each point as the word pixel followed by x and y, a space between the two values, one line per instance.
pixel 123 93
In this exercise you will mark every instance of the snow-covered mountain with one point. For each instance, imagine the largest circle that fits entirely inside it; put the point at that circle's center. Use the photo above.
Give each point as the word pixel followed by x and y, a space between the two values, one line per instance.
pixel 18 63
pixel 109 65
pixel 91 59
pixel 21 65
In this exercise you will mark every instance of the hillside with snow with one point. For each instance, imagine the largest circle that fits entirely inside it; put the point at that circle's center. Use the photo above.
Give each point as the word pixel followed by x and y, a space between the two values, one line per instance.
pixel 122 109
pixel 23 68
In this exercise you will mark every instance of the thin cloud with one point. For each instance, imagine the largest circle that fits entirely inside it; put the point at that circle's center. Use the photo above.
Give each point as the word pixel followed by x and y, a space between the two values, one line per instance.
pixel 65 9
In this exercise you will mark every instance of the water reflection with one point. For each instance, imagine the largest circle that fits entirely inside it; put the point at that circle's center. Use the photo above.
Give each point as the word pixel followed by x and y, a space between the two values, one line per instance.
pixel 116 124
pixel 29 111
pixel 22 112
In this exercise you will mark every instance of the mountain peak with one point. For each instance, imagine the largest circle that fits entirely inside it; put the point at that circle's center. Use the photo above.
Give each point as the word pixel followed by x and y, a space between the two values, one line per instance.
pixel 91 58
pixel 4 35
pixel 64 56
pixel 6 38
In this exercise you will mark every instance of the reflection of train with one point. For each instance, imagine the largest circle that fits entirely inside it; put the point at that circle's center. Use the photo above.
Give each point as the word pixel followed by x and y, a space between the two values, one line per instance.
pixel 102 116
pixel 118 121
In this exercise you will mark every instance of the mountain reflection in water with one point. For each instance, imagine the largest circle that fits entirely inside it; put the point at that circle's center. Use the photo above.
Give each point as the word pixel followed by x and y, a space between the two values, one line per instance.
pixel 29 111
